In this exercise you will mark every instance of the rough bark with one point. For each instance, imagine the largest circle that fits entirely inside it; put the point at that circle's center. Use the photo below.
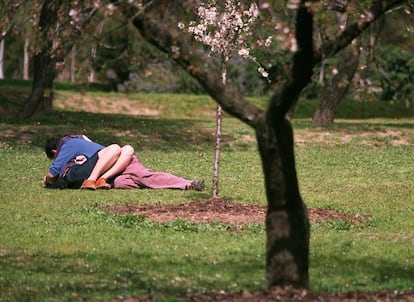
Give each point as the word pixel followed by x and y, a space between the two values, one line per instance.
pixel 337 88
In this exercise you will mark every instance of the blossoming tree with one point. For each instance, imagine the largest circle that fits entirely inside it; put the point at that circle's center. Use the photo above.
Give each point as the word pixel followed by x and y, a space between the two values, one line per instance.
pixel 226 28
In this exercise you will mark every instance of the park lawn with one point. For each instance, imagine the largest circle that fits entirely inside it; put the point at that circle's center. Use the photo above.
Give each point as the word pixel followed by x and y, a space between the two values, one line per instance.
pixel 62 245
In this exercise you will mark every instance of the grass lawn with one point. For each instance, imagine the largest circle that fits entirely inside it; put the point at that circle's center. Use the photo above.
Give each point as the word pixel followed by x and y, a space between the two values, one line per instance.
pixel 62 245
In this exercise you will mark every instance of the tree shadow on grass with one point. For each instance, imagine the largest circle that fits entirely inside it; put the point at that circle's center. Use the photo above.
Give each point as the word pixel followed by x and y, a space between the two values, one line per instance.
pixel 109 276
pixel 362 273
pixel 144 133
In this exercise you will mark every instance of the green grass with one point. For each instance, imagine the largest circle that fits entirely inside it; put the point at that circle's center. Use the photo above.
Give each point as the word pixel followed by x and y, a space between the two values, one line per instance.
pixel 62 245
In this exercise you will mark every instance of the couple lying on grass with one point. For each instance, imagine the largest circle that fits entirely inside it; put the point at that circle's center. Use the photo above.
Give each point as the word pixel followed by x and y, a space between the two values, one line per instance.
pixel 79 162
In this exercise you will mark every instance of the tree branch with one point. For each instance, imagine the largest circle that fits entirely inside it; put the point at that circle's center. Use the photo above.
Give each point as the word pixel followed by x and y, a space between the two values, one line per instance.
pixel 378 8
pixel 302 69
pixel 165 36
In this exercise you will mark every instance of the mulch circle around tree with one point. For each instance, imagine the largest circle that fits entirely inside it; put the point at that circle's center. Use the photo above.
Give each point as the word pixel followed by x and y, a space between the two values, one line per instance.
pixel 239 215
pixel 218 210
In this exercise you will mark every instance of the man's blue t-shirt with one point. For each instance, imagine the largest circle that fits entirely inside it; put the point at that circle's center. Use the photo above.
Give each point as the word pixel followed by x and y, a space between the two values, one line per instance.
pixel 69 150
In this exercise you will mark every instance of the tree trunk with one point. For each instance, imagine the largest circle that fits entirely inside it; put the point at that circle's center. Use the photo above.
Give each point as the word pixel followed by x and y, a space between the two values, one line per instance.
pixel 41 97
pixel 44 68
pixel 94 48
pixel 73 65
pixel 287 224
pixel 337 88
pixel 216 162
pixel 219 118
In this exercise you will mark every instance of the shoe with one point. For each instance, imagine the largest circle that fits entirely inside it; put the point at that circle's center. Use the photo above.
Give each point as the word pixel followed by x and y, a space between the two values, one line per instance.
pixel 102 184
pixel 197 185
pixel 88 184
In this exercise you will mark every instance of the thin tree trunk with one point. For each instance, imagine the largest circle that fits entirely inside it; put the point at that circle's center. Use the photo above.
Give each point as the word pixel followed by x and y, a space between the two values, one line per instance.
pixel 94 48
pixel 91 76
pixel 216 164
pixel 2 58
pixel 26 57
pixel 323 61
pixel 73 64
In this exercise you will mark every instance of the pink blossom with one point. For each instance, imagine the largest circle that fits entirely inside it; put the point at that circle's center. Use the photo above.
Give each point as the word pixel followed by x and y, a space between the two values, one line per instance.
pixel 226 29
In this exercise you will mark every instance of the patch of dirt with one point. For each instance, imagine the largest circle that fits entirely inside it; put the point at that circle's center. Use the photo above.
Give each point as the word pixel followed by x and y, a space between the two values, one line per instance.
pixel 368 137
pixel 83 102
pixel 218 210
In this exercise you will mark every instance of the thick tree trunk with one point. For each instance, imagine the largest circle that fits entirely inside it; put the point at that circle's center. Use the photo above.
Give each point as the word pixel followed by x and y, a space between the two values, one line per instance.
pixel 41 97
pixel 337 88
pixel 44 68
pixel 287 224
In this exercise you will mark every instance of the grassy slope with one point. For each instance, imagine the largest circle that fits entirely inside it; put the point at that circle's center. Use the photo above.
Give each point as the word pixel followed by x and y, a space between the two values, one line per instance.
pixel 58 245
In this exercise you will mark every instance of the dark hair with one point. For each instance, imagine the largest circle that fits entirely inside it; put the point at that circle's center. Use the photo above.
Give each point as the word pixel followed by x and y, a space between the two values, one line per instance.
pixel 51 144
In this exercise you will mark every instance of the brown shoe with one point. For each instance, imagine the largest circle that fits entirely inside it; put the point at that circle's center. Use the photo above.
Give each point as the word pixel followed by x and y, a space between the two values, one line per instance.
pixel 88 184
pixel 102 184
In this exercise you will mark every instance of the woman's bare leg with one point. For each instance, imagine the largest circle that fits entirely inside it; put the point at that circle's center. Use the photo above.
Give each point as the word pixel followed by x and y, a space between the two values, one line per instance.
pixel 107 158
pixel 121 163
pixel 112 160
